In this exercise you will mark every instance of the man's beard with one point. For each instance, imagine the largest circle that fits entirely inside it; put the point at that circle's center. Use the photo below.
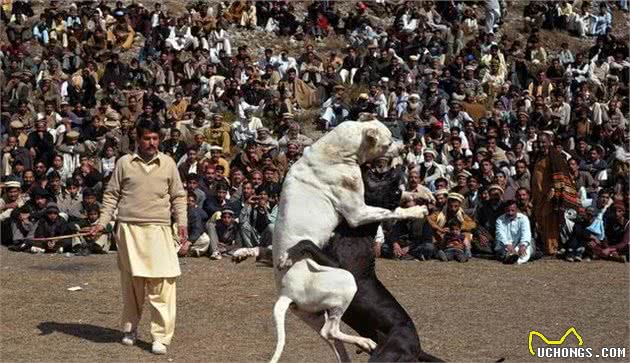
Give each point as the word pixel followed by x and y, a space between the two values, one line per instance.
pixel 382 170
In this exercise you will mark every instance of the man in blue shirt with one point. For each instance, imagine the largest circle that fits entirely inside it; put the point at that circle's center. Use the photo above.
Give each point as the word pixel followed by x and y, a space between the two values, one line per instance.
pixel 513 236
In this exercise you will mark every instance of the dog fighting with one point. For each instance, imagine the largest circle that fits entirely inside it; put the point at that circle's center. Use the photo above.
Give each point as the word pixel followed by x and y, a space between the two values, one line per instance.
pixel 314 181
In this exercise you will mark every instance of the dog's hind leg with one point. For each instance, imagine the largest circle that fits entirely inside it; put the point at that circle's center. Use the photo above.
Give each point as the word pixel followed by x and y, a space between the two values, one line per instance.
pixel 331 330
pixel 316 322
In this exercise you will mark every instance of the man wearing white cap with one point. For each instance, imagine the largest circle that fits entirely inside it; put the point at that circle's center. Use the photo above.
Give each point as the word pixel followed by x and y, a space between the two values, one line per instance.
pixel 244 129
pixel 453 210
pixel 12 199
pixel 378 100
pixel 334 109
pixel 294 135
pixel 429 169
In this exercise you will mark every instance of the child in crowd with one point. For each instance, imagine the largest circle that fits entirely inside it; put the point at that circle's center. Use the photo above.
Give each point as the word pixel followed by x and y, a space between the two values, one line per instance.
pixel 457 246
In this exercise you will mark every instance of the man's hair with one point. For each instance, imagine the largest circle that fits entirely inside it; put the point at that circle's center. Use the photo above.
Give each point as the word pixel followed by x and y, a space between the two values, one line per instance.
pixel 149 125
pixel 525 189
pixel 454 222
pixel 509 203
pixel 53 175
pixel 72 183
pixel 192 176
pixel 222 185
pixel 604 191
pixel 92 208
pixel 193 196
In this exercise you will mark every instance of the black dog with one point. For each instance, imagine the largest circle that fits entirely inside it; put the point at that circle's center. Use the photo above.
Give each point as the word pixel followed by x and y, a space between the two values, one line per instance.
pixel 374 313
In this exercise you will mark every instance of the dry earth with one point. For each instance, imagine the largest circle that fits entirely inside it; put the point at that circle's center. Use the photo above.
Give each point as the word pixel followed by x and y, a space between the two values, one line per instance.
pixel 478 311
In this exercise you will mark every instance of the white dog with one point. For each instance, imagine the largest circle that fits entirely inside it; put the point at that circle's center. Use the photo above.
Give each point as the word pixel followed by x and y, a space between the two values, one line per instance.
pixel 320 190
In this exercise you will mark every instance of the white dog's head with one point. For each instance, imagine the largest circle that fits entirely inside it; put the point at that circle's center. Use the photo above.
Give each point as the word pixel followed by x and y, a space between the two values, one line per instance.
pixel 376 140
pixel 360 141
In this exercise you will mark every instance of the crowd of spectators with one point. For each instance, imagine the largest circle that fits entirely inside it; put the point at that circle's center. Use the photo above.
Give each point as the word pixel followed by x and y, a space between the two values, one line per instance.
pixel 518 148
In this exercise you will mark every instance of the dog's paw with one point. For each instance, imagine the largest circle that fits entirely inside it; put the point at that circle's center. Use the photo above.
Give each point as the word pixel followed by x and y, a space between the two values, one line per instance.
pixel 284 261
pixel 241 255
pixel 366 344
pixel 416 212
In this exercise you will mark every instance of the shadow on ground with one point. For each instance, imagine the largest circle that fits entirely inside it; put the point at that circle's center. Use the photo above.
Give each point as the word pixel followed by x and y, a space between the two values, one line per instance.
pixel 93 333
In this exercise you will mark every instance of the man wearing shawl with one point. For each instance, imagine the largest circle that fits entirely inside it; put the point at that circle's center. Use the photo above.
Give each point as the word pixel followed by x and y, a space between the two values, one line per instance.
pixel 553 191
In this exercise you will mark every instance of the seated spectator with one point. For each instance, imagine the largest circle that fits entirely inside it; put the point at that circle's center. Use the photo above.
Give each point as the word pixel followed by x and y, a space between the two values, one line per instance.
pixel 257 218
pixel 174 146
pixel 440 217
pixel 293 134
pixel 193 187
pixel 51 225
pixel 217 202
pixel 11 200
pixel 513 236
pixel 595 165
pixel 409 239
pixel 216 158
pixel 456 246
pixel 218 134
pixel 383 184
pixel 244 129
pixel 617 243
pixel 334 110
pixel 98 244
pixel 486 217
pixel 267 143
pixel 197 237
pixel 224 234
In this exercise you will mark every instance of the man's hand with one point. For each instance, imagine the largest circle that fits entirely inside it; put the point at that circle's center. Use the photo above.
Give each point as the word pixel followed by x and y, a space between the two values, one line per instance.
pixel 12 205
pixel 522 250
pixel 183 248
pixel 95 230
pixel 509 249
pixel 397 250
pixel 182 233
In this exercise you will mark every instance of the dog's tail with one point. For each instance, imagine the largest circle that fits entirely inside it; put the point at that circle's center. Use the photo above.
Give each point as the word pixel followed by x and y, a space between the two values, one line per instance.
pixel 279 313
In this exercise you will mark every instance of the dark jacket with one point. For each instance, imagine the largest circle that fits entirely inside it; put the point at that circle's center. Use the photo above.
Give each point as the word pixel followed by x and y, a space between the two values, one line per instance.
pixel 382 190
pixel 196 220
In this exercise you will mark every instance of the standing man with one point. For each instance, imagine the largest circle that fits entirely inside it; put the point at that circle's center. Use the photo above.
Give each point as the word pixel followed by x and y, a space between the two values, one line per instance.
pixel 145 187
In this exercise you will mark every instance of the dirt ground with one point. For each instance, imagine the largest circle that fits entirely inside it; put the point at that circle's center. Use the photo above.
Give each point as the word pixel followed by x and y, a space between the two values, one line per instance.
pixel 478 311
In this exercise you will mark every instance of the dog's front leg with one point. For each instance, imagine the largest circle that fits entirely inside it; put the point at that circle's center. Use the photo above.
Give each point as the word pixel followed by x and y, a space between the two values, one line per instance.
pixel 358 215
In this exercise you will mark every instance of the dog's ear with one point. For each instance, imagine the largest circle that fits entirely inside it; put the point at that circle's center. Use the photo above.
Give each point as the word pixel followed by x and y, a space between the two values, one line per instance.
pixel 370 135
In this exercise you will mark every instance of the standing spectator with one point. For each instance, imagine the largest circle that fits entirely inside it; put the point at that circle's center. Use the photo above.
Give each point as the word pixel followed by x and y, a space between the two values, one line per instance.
pixel 146 247
pixel 553 191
